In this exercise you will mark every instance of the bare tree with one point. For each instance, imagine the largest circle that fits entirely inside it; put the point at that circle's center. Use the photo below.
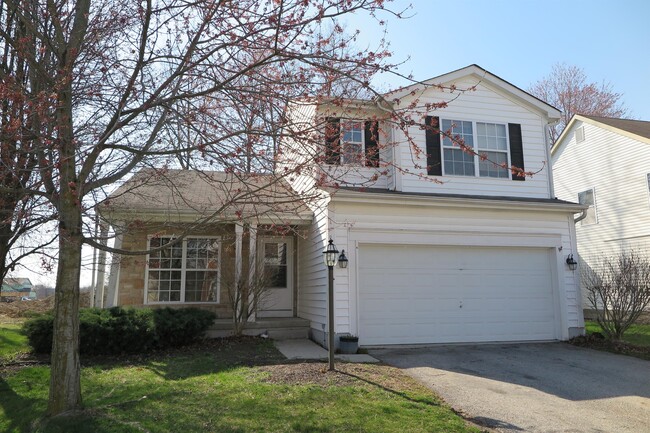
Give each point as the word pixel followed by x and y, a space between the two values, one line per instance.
pixel 113 78
pixel 567 88
pixel 23 104
pixel 247 287
pixel 618 289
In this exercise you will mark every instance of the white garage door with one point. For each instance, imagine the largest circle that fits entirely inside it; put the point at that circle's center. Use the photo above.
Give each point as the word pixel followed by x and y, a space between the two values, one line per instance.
pixel 433 294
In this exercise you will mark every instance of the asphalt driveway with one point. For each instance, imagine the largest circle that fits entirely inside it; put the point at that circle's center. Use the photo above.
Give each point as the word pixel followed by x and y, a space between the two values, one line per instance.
pixel 549 387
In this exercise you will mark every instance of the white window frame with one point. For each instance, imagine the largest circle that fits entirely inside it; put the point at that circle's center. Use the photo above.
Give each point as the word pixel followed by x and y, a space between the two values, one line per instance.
pixel 475 147
pixel 362 154
pixel 183 272
pixel 289 265
pixel 595 206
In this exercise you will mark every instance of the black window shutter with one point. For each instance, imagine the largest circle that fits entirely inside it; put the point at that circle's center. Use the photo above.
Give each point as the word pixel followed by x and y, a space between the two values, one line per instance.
pixel 434 160
pixel 332 140
pixel 372 147
pixel 516 149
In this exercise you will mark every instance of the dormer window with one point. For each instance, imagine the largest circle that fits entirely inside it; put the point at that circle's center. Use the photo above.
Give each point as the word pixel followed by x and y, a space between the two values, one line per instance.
pixel 351 142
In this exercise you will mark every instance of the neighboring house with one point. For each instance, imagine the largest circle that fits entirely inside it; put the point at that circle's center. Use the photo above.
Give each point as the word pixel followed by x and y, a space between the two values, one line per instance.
pixel 605 163
pixel 479 257
pixel 15 289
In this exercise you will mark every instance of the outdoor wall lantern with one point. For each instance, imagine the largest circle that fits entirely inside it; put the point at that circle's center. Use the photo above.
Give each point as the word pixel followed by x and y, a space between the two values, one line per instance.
pixel 330 257
pixel 343 260
pixel 571 262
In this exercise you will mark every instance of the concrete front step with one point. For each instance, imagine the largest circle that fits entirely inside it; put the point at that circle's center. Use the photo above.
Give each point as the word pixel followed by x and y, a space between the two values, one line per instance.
pixel 275 328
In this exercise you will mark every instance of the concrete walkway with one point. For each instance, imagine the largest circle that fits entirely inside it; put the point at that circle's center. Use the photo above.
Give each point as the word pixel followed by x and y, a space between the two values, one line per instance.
pixel 308 350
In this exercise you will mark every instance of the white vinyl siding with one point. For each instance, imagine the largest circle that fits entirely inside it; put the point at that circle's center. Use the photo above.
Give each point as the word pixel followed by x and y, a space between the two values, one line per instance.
pixel 616 167
pixel 487 105
pixel 312 273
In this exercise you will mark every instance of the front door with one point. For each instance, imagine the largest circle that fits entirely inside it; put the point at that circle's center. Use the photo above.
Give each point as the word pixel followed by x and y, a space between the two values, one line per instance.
pixel 276 258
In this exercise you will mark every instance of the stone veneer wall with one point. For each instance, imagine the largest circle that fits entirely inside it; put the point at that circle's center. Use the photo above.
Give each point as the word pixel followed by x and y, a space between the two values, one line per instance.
pixel 132 268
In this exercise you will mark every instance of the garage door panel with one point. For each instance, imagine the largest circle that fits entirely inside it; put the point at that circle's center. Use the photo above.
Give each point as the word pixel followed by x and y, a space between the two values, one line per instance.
pixel 427 294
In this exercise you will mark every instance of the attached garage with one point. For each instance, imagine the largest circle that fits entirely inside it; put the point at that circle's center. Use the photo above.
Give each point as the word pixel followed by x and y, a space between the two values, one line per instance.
pixel 414 294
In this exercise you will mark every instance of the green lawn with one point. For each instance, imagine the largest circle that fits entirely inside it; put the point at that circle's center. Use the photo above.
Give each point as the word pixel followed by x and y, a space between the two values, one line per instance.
pixel 638 335
pixel 234 387
pixel 12 341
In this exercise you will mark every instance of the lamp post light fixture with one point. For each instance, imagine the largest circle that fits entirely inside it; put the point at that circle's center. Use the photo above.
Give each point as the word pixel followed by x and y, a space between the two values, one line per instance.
pixel 330 257
pixel 571 262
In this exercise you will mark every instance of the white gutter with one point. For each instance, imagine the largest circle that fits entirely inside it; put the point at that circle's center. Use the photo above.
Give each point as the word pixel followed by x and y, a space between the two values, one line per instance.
pixel 405 199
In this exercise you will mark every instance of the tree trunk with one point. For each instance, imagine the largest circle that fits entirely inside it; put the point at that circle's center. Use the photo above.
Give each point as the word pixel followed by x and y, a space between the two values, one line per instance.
pixel 65 380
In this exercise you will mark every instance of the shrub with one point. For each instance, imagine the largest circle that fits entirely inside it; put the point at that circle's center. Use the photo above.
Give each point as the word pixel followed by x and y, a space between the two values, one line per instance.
pixel 176 327
pixel 116 330
pixel 119 330
pixel 618 290
pixel 39 332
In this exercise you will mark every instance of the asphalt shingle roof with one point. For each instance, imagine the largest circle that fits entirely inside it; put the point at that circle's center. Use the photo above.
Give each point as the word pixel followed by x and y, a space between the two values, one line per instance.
pixel 638 127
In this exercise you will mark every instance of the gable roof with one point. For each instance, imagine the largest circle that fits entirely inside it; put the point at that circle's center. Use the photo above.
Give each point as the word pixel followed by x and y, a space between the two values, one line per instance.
pixel 635 129
pixel 482 75
pixel 193 194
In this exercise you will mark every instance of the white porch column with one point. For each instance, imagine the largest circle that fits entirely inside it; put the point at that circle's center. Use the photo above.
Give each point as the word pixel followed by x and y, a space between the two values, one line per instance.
pixel 114 276
pixel 252 264
pixel 101 268
pixel 239 231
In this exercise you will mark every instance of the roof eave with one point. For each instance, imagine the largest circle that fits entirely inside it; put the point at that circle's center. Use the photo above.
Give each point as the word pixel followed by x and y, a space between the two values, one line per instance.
pixel 427 200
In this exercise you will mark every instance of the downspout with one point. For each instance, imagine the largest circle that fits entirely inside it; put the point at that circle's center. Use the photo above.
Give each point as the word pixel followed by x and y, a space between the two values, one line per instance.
pixel 582 216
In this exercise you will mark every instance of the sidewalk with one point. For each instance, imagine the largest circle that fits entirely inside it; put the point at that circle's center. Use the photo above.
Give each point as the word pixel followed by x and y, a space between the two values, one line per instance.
pixel 308 350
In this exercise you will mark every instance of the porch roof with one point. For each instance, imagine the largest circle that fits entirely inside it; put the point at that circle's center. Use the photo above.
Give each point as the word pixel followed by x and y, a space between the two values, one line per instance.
pixel 208 196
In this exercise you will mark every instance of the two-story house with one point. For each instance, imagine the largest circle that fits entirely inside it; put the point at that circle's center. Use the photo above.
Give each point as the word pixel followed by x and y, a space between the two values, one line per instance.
pixel 444 244
pixel 604 163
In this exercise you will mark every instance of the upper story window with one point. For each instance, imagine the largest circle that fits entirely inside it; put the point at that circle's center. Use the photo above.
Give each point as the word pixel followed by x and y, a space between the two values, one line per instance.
pixel 492 141
pixel 352 147
pixel 495 143
pixel 489 140
pixel 351 142
pixel 187 271
pixel 588 197
pixel 457 161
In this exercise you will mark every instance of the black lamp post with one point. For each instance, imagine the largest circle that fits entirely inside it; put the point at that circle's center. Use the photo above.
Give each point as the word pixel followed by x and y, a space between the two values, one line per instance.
pixel 330 256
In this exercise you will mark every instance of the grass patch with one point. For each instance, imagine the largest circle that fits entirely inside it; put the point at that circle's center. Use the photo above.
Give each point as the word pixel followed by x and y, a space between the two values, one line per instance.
pixel 232 387
pixel 637 334
pixel 12 342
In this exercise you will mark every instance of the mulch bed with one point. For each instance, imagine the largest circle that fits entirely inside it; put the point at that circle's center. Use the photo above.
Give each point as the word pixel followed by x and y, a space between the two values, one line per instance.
pixel 345 374
pixel 306 373
pixel 599 342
